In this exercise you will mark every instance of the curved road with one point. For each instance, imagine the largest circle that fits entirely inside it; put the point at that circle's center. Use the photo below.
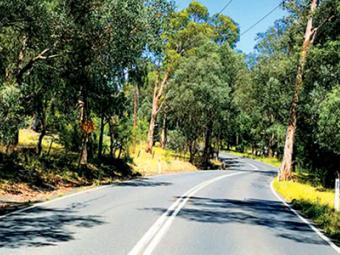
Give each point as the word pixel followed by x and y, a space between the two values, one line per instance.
pixel 207 212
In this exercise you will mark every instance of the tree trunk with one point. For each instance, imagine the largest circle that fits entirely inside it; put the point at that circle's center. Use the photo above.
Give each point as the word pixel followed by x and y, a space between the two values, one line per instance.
pixel 206 151
pixel 120 152
pixel 41 137
pixel 286 165
pixel 101 136
pixel 135 106
pixel 157 94
pixel 112 152
pixel 83 112
pixel 270 145
pixel 152 127
pixel 192 151
pixel 83 152
pixel 164 132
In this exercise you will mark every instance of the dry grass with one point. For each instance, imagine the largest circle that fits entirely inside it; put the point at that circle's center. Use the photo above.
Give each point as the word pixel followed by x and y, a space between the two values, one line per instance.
pixel 161 161
pixel 315 203
pixel 291 190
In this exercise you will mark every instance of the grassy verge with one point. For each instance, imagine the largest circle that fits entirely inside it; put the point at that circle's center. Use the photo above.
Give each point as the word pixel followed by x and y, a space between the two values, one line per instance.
pixel 26 178
pixel 315 203
pixel 161 161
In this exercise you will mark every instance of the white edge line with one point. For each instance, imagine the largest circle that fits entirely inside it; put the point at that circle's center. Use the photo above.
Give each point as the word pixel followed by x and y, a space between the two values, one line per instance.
pixel 76 193
pixel 151 238
pixel 54 200
pixel 325 238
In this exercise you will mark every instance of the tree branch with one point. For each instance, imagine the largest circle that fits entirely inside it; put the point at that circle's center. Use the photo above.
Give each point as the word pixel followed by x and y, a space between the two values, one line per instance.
pixel 29 65
pixel 316 29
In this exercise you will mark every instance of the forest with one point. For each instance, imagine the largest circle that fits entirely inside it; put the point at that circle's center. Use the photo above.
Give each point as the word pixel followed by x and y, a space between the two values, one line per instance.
pixel 101 81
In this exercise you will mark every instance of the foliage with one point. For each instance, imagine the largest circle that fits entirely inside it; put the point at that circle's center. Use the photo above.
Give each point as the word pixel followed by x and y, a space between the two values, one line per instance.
pixel 262 101
pixel 10 113
pixel 176 141
pixel 329 121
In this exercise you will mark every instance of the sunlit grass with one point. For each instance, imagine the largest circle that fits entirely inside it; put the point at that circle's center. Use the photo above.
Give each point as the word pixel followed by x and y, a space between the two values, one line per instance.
pixel 159 162
pixel 315 203
pixel 291 190
pixel 29 138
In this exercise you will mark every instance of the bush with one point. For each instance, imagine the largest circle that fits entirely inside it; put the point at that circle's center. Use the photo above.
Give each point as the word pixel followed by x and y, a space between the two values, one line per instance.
pixel 176 141
pixel 10 114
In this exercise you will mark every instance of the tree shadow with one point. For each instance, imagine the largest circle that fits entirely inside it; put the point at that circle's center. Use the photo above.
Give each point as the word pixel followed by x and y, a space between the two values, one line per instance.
pixel 43 227
pixel 232 163
pixel 271 215
pixel 239 165
pixel 143 182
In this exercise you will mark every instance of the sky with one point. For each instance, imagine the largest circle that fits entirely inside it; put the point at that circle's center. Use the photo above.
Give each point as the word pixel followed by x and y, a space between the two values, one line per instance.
pixel 245 13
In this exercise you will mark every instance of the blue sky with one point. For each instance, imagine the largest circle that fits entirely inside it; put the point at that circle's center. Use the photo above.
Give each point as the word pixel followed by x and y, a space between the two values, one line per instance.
pixel 245 13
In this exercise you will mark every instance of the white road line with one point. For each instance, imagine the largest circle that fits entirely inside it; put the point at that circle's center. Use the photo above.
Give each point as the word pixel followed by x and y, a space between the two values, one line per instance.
pixel 54 200
pixel 253 166
pixel 155 233
pixel 74 194
pixel 304 220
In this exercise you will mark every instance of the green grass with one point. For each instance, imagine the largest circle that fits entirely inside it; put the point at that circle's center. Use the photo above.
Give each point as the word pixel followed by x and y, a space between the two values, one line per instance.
pixel 315 203
pixel 29 138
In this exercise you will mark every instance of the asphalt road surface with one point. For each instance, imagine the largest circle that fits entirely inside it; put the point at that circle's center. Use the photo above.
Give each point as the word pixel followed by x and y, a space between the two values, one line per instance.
pixel 207 212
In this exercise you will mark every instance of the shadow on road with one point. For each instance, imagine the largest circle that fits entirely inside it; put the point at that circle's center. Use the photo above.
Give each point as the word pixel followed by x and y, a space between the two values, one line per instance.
pixel 238 164
pixel 42 227
pixel 143 182
pixel 263 213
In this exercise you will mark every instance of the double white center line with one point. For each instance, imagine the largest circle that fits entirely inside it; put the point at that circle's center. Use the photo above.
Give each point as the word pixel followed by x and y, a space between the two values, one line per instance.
pixel 154 235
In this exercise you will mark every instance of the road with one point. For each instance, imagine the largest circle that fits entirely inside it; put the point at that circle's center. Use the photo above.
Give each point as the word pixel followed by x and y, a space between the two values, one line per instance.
pixel 206 212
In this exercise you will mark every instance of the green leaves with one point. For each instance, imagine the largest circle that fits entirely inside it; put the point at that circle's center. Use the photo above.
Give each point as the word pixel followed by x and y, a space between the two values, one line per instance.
pixel 329 121
pixel 10 113
pixel 200 87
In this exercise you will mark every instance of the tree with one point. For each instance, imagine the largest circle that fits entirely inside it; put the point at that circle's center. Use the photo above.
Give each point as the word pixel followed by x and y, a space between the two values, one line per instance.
pixel 329 121
pixel 28 31
pixel 309 37
pixel 186 29
pixel 201 83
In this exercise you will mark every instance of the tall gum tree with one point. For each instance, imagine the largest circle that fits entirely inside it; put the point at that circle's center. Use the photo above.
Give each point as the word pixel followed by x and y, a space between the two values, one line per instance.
pixel 187 28
pixel 310 33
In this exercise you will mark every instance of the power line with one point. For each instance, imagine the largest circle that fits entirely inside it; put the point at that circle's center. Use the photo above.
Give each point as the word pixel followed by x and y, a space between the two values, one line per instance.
pixel 225 7
pixel 265 16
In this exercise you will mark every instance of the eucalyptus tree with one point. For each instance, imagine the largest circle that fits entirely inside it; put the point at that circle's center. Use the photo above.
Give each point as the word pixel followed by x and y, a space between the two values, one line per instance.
pixel 201 87
pixel 105 39
pixel 28 32
pixel 309 37
pixel 185 30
